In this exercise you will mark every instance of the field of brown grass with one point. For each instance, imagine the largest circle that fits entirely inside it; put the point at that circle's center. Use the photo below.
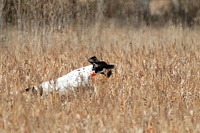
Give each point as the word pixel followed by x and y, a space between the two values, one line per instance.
pixel 155 86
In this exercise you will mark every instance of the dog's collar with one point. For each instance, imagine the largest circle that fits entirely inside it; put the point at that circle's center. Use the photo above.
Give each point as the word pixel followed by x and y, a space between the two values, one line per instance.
pixel 92 74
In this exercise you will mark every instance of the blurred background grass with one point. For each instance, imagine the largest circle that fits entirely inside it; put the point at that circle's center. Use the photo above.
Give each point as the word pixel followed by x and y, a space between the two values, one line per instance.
pixel 153 43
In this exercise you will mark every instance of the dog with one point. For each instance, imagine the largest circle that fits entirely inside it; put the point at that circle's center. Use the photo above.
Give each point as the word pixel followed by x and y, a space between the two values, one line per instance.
pixel 74 79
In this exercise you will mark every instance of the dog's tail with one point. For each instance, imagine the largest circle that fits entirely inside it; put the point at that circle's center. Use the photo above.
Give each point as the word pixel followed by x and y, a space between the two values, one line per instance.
pixel 27 89
pixel 34 90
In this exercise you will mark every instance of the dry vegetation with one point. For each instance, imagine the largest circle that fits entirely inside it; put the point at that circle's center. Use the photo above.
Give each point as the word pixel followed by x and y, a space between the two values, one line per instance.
pixel 155 86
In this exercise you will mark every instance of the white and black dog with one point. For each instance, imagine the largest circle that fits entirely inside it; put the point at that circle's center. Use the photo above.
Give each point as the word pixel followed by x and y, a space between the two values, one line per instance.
pixel 74 79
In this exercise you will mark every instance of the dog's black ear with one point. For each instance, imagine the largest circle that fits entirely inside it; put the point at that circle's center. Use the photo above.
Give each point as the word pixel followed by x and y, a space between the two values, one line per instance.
pixel 93 60
pixel 109 73
pixel 110 66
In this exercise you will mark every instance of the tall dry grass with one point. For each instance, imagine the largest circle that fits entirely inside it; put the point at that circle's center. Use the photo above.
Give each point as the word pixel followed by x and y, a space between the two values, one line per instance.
pixel 154 88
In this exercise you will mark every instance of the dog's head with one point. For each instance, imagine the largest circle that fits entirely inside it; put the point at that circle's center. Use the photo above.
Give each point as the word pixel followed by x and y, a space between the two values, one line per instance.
pixel 101 66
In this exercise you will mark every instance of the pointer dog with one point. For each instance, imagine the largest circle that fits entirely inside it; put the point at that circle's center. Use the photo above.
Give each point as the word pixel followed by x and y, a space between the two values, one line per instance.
pixel 76 78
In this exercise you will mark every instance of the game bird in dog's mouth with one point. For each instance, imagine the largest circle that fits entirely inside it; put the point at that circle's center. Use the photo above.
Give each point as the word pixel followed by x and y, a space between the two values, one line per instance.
pixel 76 78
